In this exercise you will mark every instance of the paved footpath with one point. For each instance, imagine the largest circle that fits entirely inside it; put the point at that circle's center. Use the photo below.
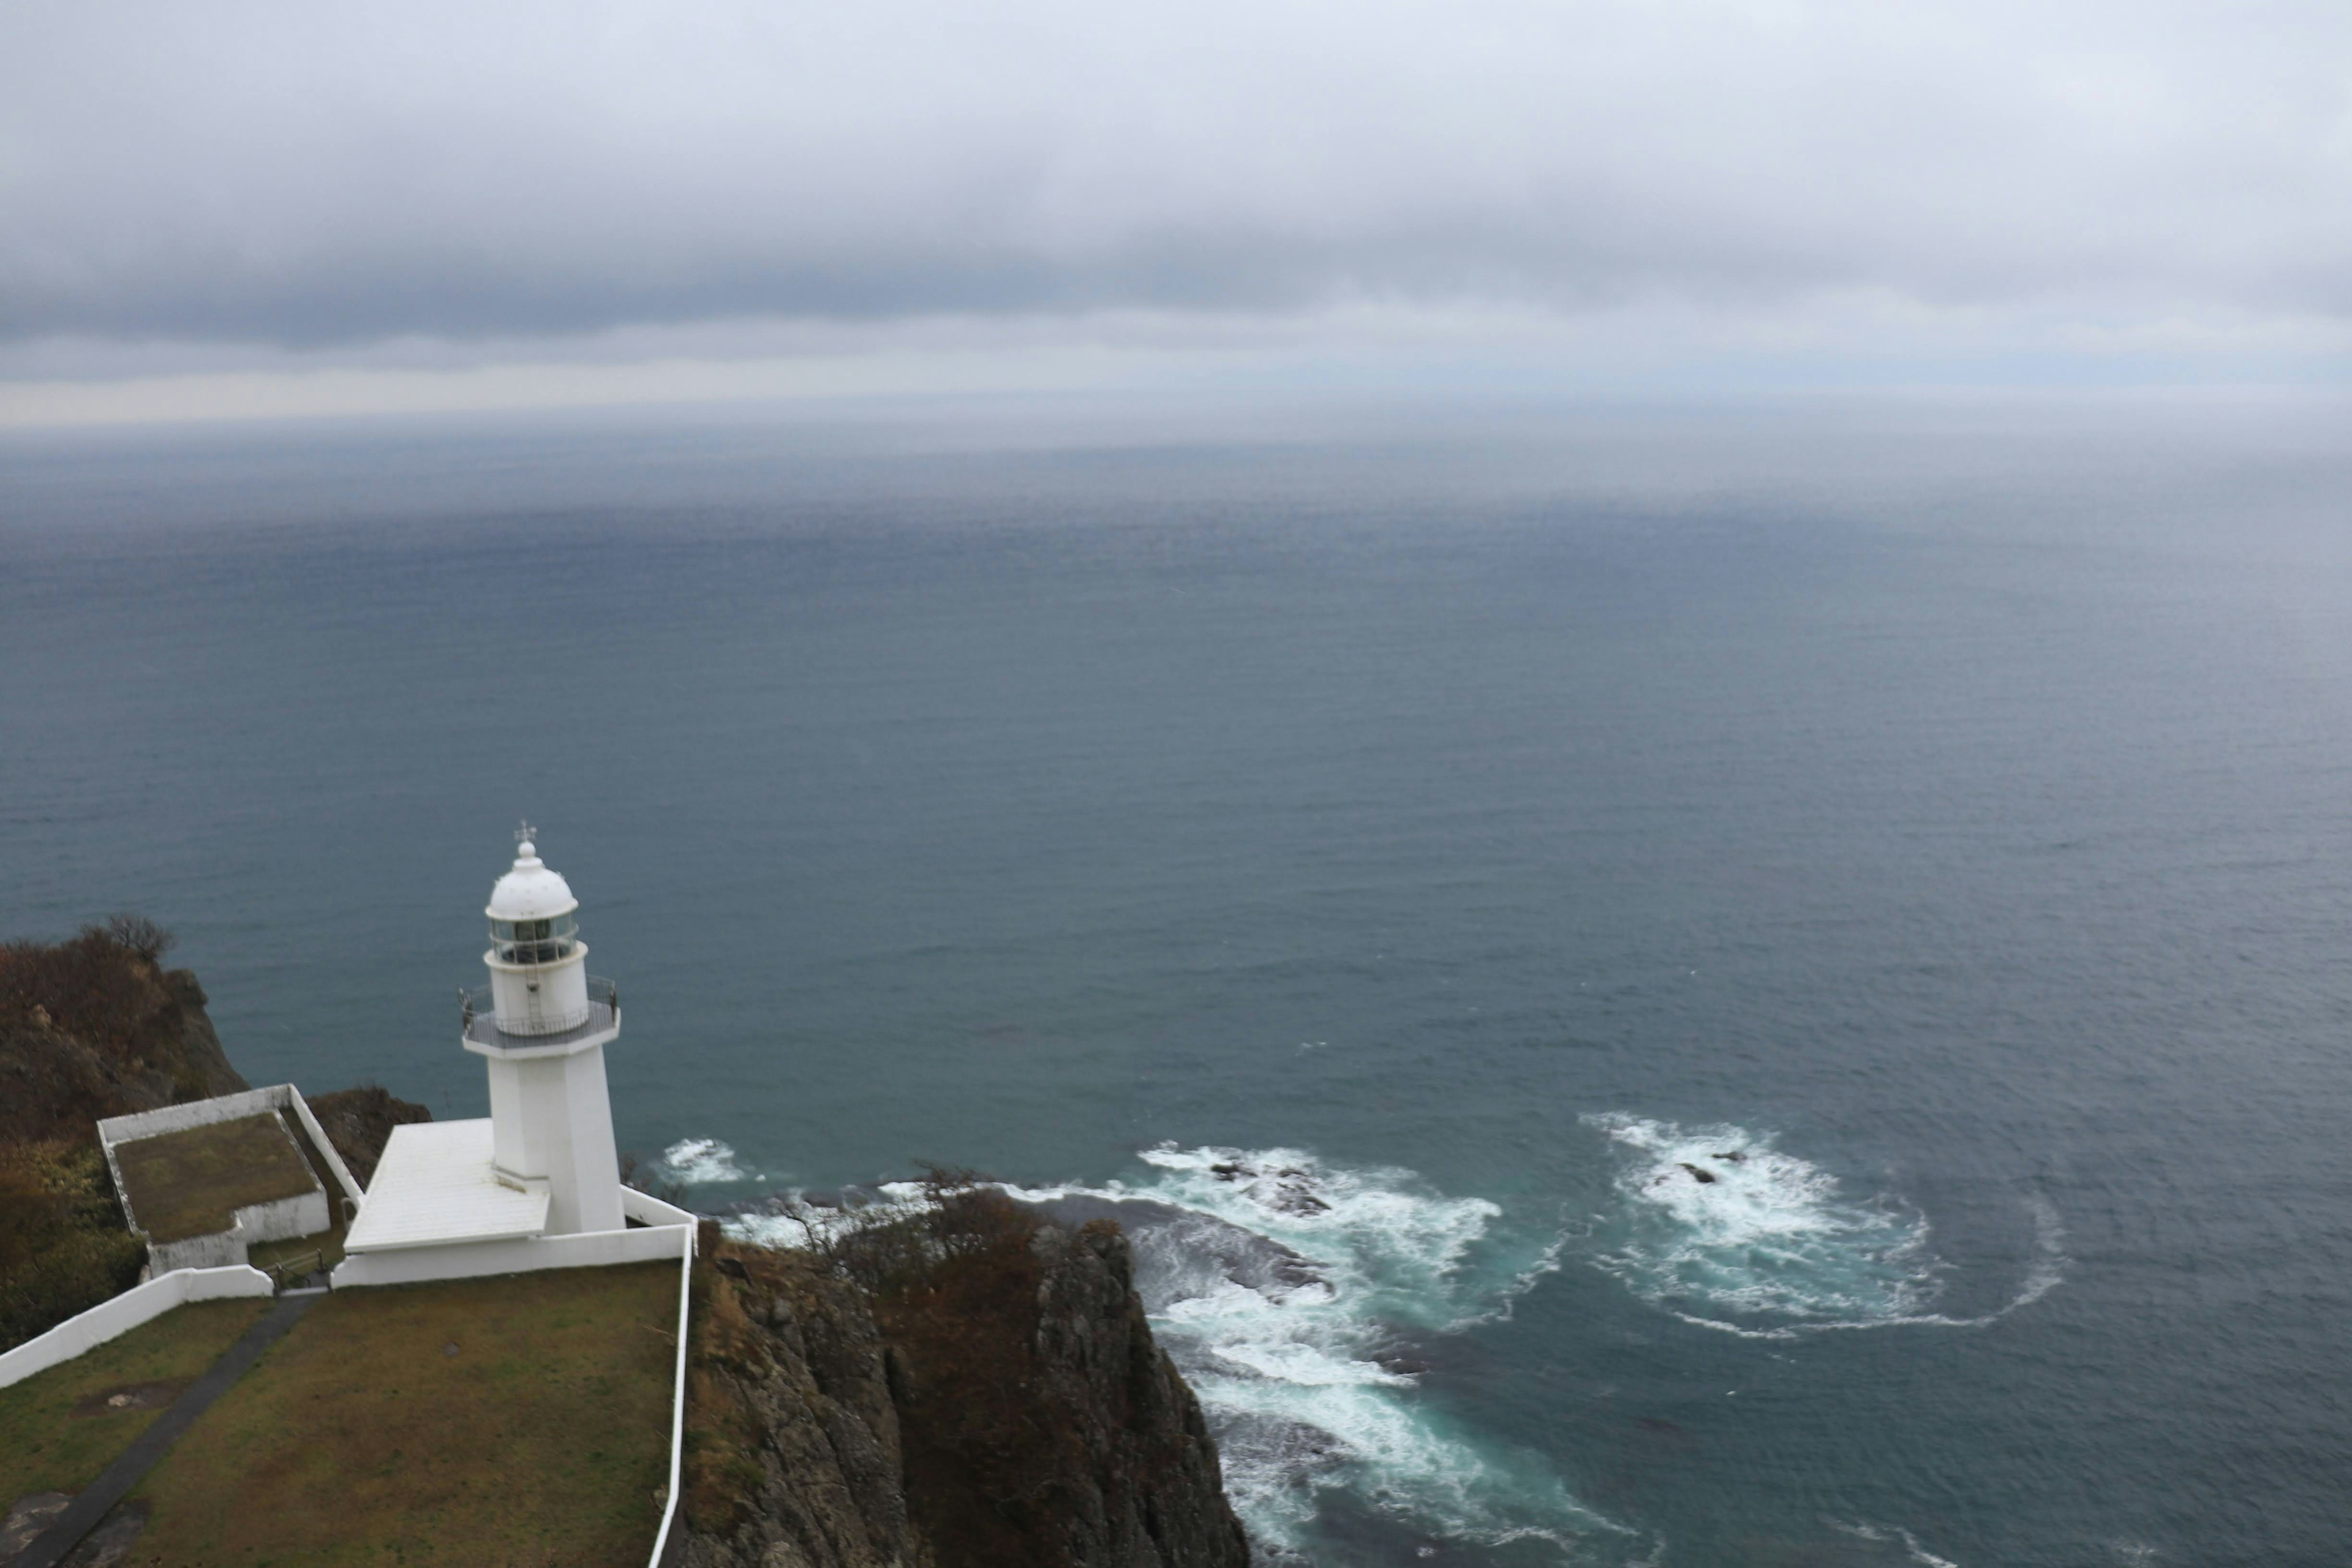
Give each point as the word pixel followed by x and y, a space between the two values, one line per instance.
pixel 94 1502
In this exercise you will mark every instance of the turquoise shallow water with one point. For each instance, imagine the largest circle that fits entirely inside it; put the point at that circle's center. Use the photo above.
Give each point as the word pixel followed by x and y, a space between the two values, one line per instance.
pixel 1692 988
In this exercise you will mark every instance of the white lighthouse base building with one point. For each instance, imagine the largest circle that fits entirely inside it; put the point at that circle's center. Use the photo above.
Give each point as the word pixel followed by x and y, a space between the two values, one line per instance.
pixel 537 1184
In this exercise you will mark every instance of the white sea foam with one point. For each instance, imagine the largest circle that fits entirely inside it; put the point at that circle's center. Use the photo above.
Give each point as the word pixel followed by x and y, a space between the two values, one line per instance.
pixel 701 1161
pixel 1884 1534
pixel 1725 1230
pixel 1291 1292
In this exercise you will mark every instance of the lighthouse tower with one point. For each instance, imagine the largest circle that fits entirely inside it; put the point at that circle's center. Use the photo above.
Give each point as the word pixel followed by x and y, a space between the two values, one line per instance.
pixel 543 1022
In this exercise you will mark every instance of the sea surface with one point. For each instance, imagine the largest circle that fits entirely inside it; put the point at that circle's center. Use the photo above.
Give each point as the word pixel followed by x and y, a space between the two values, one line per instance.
pixel 1749 984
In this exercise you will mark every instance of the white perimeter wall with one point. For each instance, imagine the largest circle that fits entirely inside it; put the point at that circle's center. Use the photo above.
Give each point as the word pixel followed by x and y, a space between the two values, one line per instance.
pixel 527 1254
pixel 140 1304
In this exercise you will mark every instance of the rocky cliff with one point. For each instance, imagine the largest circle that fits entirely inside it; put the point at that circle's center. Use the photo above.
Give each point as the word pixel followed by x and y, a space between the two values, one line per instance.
pixel 992 1399
pixel 96 1027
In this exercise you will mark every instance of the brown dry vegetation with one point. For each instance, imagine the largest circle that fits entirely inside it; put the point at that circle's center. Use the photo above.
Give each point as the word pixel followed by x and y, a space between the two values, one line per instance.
pixel 94 1026
pixel 63 1245
pixel 543 1439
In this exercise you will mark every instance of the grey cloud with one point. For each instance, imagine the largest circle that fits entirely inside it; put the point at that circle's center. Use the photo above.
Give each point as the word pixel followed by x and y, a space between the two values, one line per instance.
pixel 303 176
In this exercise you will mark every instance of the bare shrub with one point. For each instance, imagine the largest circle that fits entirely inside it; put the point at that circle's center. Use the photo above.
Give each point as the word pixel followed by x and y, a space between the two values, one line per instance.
pixel 137 935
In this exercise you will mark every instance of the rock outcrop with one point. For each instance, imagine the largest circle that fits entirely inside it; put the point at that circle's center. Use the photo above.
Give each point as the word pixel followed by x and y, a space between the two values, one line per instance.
pixel 94 1026
pixel 359 1124
pixel 1002 1403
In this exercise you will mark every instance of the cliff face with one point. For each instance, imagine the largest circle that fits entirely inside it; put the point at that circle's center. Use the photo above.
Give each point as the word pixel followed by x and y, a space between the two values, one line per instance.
pixel 94 1028
pixel 1003 1404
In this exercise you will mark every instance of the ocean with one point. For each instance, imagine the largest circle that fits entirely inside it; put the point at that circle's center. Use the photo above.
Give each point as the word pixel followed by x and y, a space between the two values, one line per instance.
pixel 1757 984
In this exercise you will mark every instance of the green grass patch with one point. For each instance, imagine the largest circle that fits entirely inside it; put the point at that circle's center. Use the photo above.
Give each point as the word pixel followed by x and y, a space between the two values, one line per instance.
pixel 192 1183
pixel 362 1437
pixel 46 1445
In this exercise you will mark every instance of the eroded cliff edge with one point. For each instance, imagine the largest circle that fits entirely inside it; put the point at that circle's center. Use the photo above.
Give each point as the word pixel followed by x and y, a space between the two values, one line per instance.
pixel 985 1393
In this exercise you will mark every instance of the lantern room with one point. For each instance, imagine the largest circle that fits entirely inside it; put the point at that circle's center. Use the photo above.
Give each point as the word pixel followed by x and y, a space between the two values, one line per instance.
pixel 539 965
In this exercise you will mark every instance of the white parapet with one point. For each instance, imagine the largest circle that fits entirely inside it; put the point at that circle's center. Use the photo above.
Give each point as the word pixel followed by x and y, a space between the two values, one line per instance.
pixel 120 1315
pixel 524 1255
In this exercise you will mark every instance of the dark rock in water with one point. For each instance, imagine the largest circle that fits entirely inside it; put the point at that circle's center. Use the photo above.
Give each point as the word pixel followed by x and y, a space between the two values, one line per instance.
pixel 1295 1200
pixel 1228 1171
pixel 1734 1157
pixel 1707 1176
pixel 1003 1404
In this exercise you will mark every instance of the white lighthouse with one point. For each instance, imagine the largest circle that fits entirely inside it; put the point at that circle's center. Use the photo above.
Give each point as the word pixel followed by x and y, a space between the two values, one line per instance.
pixel 535 1184
pixel 542 1023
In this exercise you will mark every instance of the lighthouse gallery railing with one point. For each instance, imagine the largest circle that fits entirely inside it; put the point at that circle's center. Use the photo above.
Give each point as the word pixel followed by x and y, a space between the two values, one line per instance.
pixel 477 1017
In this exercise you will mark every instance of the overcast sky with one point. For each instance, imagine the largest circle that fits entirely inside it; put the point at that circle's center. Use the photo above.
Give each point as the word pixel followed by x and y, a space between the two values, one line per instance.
pixel 198 198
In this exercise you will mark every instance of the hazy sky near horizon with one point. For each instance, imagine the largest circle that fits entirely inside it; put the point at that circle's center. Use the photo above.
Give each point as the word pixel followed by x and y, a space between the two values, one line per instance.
pixel 606 194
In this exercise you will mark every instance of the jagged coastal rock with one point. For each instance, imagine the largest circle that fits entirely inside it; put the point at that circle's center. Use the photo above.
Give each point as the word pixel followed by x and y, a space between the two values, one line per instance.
pixel 1006 1407
pixel 969 1386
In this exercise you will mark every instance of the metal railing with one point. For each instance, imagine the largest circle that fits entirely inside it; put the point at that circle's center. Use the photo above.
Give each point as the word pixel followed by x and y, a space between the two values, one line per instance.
pixel 477 1017
pixel 296 1269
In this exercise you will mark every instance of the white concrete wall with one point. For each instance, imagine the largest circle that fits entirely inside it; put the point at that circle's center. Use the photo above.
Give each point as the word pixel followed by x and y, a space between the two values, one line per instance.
pixel 284 1218
pixel 325 1145
pixel 198 1113
pixel 221 1249
pixel 647 1209
pixel 528 1255
pixel 140 1304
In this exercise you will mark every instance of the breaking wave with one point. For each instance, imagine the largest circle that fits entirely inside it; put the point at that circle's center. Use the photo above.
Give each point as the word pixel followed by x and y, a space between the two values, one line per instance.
pixel 1725 1230
pixel 1302 1300
pixel 1881 1535
pixel 1299 1297
pixel 702 1162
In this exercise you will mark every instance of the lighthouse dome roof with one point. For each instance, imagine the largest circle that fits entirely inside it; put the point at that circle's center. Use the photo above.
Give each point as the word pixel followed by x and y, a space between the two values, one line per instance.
pixel 531 892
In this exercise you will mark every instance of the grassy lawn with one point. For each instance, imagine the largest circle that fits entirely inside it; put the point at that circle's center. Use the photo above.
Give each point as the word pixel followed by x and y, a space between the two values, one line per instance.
pixel 541 1439
pixel 191 1183
pixel 57 1429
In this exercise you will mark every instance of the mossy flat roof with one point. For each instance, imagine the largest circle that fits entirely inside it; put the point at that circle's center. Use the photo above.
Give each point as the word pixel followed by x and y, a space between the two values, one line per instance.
pixel 519 1420
pixel 192 1183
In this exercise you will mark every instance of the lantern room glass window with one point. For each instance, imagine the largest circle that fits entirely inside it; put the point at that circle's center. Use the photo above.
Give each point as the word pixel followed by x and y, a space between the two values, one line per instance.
pixel 534 941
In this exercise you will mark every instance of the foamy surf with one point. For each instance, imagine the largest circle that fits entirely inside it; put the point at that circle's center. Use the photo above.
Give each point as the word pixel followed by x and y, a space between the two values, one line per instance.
pixel 702 1162
pixel 1293 1294
pixel 1725 1230
pixel 1894 1535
